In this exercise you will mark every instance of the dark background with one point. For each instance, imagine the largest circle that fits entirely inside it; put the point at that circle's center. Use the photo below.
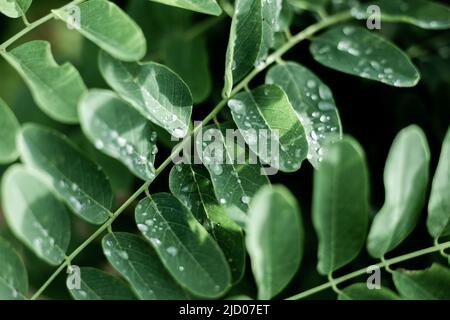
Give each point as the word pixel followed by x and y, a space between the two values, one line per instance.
pixel 371 112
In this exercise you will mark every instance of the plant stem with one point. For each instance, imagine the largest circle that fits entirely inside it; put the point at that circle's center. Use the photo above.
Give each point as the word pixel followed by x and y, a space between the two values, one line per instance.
pixel 384 264
pixel 241 85
pixel 31 26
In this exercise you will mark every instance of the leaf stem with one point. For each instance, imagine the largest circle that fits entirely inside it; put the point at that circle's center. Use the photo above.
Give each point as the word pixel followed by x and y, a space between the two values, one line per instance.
pixel 383 264
pixel 241 85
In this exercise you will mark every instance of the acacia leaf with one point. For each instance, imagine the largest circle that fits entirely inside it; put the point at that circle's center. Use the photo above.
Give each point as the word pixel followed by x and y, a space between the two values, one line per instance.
pixel 13 275
pixel 121 132
pixel 105 24
pixel 186 249
pixel 9 127
pixel 274 238
pixel 406 182
pixel 78 181
pixel 362 53
pixel 14 8
pixel 203 6
pixel 340 209
pixel 56 88
pixel 360 291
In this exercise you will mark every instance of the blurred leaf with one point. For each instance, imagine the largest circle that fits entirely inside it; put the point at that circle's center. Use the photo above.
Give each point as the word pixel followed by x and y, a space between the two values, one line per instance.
pixel 134 258
pixel 313 102
pixel 340 208
pixel 35 215
pixel 406 182
pixel 191 185
pixel 429 284
pixel 246 36
pixel 105 24
pixel 360 291
pixel 14 8
pixel 190 59
pixel 118 130
pixel 77 180
pixel 203 6
pixel 154 90
pixel 274 239
pixel 264 116
pixel 186 249
pixel 9 127
pixel 362 53
pixel 236 177
pixel 99 285
pixel 13 275
pixel 56 89
pixel 438 221
pixel 421 13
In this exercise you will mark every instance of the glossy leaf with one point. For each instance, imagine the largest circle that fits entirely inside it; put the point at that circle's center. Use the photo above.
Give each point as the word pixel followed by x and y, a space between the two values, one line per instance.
pixel 246 36
pixel 154 90
pixel 35 215
pixel 236 177
pixel 203 6
pixel 406 182
pixel 192 186
pixel 274 238
pixel 77 180
pixel 265 114
pixel 13 275
pixel 189 58
pixel 362 53
pixel 56 89
pixel 118 130
pixel 98 285
pixel 340 209
pixel 186 249
pixel 134 258
pixel 360 291
pixel 429 284
pixel 14 8
pixel 270 12
pixel 105 24
pixel 9 127
pixel 438 221
pixel 421 13
pixel 313 102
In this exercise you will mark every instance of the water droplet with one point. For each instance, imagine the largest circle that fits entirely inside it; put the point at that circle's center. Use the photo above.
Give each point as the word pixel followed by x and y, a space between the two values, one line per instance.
pixel 123 255
pixel 311 84
pixel 245 199
pixel 222 201
pixel 324 118
pixel 121 141
pixel 178 133
pixel 181 268
pixel 348 30
pixel 99 144
pixel 172 251
pixel 388 70
pixel 142 227
pixel 325 106
pixel 216 169
pixel 129 148
pixel 325 92
pixel 343 45
pixel 155 241
pixel 154 150
pixel 236 106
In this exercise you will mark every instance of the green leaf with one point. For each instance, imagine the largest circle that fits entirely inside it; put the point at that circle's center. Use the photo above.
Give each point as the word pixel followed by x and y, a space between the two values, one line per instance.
pixel 154 90
pixel 56 89
pixel 270 12
pixel 360 291
pixel 192 186
pixel 99 285
pixel 186 249
pixel 35 215
pixel 438 221
pixel 14 8
pixel 135 259
pixel 313 102
pixel 13 275
pixel 105 24
pixel 78 181
pixel 190 59
pixel 362 53
pixel 421 13
pixel 266 118
pixel 119 131
pixel 429 284
pixel 405 181
pixel 236 177
pixel 340 204
pixel 203 6
pixel 9 127
pixel 274 239
pixel 246 36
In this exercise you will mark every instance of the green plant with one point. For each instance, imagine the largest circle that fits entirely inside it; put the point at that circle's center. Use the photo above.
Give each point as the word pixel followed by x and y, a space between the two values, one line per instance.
pixel 194 241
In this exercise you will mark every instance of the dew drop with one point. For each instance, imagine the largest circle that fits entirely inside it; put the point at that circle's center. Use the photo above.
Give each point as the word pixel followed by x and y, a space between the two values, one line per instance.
pixel 245 199
pixel 172 251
